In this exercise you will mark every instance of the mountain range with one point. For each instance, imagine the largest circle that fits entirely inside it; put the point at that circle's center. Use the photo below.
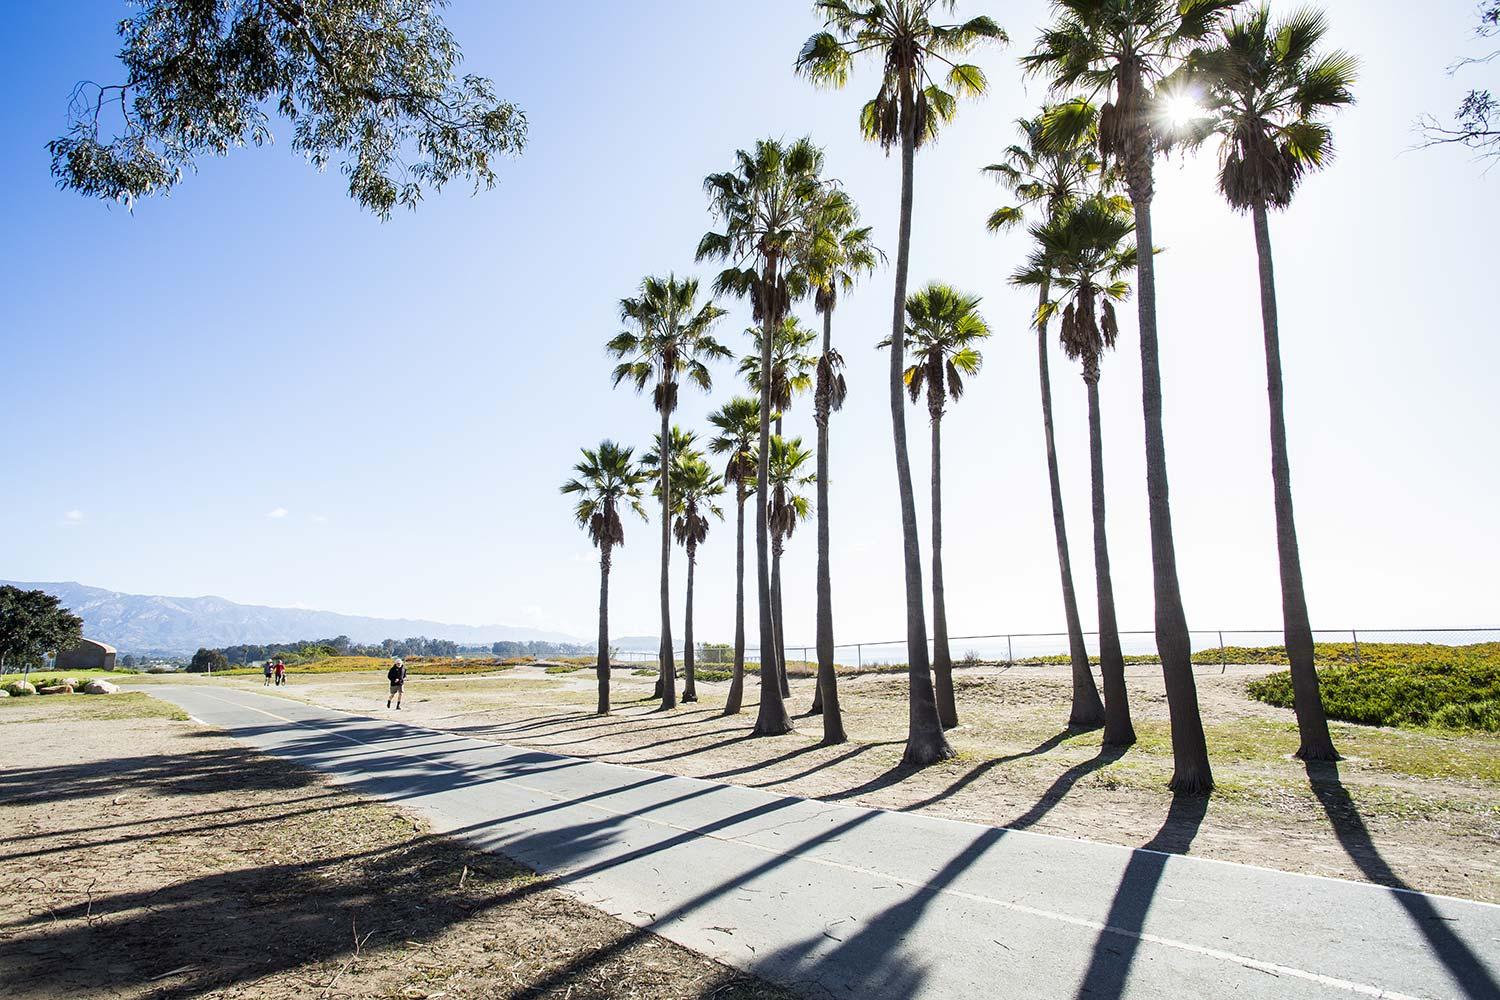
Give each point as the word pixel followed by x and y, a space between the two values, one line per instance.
pixel 143 623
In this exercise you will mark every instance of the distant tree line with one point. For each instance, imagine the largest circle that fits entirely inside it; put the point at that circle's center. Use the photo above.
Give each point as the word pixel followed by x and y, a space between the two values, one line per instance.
pixel 305 650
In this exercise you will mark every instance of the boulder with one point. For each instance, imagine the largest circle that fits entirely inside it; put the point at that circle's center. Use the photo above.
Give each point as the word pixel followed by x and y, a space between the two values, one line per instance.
pixel 20 689
pixel 55 689
pixel 97 686
pixel 4 693
pixel 71 682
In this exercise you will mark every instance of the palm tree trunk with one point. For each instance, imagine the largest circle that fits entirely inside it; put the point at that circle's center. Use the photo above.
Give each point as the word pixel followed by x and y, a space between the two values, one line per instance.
pixel 1191 773
pixel 1118 731
pixel 776 549
pixel 772 719
pixel 1312 723
pixel 776 545
pixel 668 668
pixel 602 669
pixel 925 742
pixel 689 687
pixel 942 660
pixel 737 681
pixel 1087 711
pixel 826 697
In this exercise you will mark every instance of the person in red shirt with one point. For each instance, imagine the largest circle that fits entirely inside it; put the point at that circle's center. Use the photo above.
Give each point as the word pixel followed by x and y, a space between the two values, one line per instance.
pixel 280 673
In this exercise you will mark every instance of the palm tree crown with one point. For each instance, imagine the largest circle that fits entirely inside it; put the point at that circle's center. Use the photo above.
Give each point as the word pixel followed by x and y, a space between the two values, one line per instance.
pixel 606 479
pixel 1267 90
pixel 1119 50
pixel 769 207
pixel 787 506
pixel 1084 253
pixel 738 425
pixel 1036 173
pixel 669 339
pixel 695 490
pixel 943 326
pixel 791 366
pixel 904 35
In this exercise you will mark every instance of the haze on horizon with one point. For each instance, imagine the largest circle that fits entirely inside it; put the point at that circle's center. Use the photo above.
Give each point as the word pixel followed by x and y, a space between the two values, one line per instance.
pixel 253 389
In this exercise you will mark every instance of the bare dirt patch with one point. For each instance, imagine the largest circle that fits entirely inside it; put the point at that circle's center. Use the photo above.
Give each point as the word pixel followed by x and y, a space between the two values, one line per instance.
pixel 1405 808
pixel 150 857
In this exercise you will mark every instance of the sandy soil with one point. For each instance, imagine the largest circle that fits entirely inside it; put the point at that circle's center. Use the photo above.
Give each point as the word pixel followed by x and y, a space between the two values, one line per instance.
pixel 147 857
pixel 1405 808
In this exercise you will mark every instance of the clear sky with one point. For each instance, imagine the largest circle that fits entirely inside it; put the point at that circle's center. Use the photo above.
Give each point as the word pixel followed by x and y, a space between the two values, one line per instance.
pixel 254 390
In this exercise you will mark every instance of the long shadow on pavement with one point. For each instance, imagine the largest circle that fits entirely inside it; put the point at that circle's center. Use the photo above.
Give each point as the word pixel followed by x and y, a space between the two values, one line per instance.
pixel 1354 836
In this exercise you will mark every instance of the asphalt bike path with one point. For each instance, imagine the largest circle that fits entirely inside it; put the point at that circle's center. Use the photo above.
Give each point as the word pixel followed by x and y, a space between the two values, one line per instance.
pixel 843 901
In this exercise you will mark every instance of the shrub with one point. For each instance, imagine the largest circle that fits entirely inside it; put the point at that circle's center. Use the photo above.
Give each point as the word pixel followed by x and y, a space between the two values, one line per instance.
pixel 1482 715
pixel 563 668
pixel 711 674
pixel 1404 685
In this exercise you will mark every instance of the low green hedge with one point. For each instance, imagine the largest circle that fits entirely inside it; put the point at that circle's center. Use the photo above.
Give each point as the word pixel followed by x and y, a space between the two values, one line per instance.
pixel 1456 687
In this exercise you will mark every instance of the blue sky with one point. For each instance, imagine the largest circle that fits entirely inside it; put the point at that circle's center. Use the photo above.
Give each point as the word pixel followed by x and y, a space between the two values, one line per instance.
pixel 406 397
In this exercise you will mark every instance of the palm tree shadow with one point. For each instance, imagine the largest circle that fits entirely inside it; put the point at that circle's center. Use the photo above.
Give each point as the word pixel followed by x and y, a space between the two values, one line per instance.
pixel 1354 836
pixel 1117 944
pixel 1046 746
pixel 1064 784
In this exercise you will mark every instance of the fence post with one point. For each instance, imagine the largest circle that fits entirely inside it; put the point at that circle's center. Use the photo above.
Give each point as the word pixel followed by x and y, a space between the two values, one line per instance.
pixel 859 655
pixel 1223 659
pixel 1010 653
pixel 1357 661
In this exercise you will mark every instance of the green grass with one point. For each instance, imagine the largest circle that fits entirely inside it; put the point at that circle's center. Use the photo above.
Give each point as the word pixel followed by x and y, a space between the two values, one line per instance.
pixel 87 707
pixel 1404 684
pixel 563 668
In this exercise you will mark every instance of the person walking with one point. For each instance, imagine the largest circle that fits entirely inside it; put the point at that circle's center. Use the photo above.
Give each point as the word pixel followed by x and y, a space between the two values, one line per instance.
pixel 397 676
pixel 270 666
pixel 280 672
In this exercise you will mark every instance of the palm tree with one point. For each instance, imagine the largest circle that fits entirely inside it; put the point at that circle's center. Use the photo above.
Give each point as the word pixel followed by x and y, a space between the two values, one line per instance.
pixel 846 253
pixel 738 423
pixel 786 476
pixel 681 444
pixel 791 371
pixel 769 206
pixel 669 340
pixel 1082 251
pixel 1121 49
pixel 1055 180
pixel 607 479
pixel 907 111
pixel 696 489
pixel 1268 90
pixel 944 327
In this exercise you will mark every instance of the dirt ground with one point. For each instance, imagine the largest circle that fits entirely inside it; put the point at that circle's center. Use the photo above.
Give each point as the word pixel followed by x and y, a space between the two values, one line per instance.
pixel 145 856
pixel 1405 808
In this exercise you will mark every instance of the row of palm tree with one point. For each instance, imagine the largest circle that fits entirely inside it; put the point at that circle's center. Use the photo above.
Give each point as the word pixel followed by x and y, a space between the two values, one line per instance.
pixel 1083 176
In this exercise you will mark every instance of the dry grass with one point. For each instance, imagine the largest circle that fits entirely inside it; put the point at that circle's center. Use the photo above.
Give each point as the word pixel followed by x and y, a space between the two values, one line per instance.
pixel 184 865
pixel 1406 807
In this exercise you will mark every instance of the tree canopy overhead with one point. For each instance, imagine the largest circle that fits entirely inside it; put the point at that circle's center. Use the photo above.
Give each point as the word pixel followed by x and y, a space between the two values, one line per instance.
pixel 375 84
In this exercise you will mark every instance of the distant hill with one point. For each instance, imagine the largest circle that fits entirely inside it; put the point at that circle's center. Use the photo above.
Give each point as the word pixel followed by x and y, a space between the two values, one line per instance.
pixel 174 625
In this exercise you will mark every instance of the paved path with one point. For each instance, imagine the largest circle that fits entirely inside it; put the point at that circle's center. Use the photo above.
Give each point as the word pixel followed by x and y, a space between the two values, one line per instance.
pixel 848 902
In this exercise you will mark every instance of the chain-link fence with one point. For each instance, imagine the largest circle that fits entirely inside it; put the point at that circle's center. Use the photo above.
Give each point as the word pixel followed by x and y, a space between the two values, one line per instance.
pixel 1212 650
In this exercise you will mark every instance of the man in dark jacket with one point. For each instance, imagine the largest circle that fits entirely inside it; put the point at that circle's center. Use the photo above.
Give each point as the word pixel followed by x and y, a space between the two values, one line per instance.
pixel 397 676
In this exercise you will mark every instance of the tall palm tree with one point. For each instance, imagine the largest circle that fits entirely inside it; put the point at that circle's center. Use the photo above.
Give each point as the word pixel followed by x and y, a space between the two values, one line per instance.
pixel 1052 179
pixel 1268 91
pixel 768 205
pixel 1083 251
pixel 607 480
pixel 1120 50
pixel 787 475
pixel 696 489
pixel 669 339
pixel 843 256
pixel 944 328
pixel 681 444
pixel 907 112
pixel 738 424
pixel 791 371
